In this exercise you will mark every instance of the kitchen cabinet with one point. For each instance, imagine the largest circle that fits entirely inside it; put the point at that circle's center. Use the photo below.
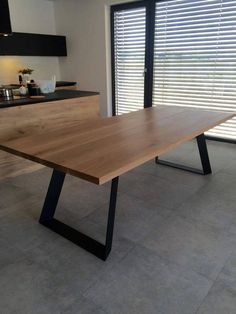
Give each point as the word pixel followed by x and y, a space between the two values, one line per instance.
pixel 40 116
pixel 29 44
pixel 63 94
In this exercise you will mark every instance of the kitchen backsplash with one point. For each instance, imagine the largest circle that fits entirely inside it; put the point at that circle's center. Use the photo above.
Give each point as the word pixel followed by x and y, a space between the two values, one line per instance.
pixel 44 68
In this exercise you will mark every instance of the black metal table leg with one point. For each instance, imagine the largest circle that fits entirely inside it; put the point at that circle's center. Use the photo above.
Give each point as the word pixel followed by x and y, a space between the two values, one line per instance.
pixel 52 197
pixel 202 147
pixel 91 245
pixel 111 216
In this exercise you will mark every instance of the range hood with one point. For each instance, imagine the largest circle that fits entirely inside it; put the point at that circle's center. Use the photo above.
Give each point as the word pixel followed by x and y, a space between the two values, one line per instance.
pixel 5 21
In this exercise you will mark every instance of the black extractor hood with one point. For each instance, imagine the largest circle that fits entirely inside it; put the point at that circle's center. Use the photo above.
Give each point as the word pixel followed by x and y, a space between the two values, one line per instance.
pixel 5 21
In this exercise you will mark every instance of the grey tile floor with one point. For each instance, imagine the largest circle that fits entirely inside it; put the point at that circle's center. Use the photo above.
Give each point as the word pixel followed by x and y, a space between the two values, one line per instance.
pixel 174 249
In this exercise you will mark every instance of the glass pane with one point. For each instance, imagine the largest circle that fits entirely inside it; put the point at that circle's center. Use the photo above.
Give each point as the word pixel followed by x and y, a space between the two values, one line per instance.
pixel 129 50
pixel 195 57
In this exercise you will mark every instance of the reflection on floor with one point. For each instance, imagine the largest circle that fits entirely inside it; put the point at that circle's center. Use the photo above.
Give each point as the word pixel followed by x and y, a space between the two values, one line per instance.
pixel 174 249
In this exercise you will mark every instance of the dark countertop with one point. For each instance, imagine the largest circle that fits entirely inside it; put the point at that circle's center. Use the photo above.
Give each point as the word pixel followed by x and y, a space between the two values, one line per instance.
pixel 65 83
pixel 58 95
pixel 58 84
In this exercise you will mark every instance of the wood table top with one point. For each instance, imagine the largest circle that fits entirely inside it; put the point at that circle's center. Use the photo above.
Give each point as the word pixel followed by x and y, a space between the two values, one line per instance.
pixel 102 149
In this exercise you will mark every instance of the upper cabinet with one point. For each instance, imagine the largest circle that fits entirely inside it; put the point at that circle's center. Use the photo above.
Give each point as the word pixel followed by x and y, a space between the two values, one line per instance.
pixel 5 21
pixel 29 44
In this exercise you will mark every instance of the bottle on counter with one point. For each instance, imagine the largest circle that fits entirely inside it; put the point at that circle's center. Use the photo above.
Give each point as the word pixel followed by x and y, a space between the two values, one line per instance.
pixel 20 80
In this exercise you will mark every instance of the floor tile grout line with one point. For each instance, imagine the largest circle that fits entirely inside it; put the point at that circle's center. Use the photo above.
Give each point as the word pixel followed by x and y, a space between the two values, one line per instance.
pixel 224 234
pixel 167 262
pixel 154 175
pixel 84 293
pixel 214 281
pixel 202 301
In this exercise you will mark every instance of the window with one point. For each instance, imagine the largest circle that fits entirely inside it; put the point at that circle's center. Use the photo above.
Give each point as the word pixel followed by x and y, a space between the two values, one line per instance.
pixel 193 55
pixel 129 58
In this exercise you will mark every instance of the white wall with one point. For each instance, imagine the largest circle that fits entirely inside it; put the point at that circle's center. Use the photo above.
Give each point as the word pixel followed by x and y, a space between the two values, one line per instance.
pixel 30 16
pixel 86 25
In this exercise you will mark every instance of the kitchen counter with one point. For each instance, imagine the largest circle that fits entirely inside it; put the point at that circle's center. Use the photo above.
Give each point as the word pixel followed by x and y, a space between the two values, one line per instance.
pixel 57 95
pixel 38 116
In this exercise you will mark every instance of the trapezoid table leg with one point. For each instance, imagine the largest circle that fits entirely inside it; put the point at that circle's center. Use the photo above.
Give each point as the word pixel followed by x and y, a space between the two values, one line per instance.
pixel 206 166
pixel 202 147
pixel 91 245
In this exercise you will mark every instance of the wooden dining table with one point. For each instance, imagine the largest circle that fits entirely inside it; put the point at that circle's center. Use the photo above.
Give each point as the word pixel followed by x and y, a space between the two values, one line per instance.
pixel 101 150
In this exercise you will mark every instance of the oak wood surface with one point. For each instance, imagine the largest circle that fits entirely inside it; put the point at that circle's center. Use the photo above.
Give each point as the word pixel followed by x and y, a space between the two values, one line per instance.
pixel 37 118
pixel 102 149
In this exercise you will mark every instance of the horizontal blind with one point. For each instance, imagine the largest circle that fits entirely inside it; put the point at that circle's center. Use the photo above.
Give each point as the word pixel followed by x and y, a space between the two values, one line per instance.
pixel 195 57
pixel 129 57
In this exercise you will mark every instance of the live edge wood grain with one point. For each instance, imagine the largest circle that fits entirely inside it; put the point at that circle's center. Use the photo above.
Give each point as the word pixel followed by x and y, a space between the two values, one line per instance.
pixel 38 118
pixel 103 149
